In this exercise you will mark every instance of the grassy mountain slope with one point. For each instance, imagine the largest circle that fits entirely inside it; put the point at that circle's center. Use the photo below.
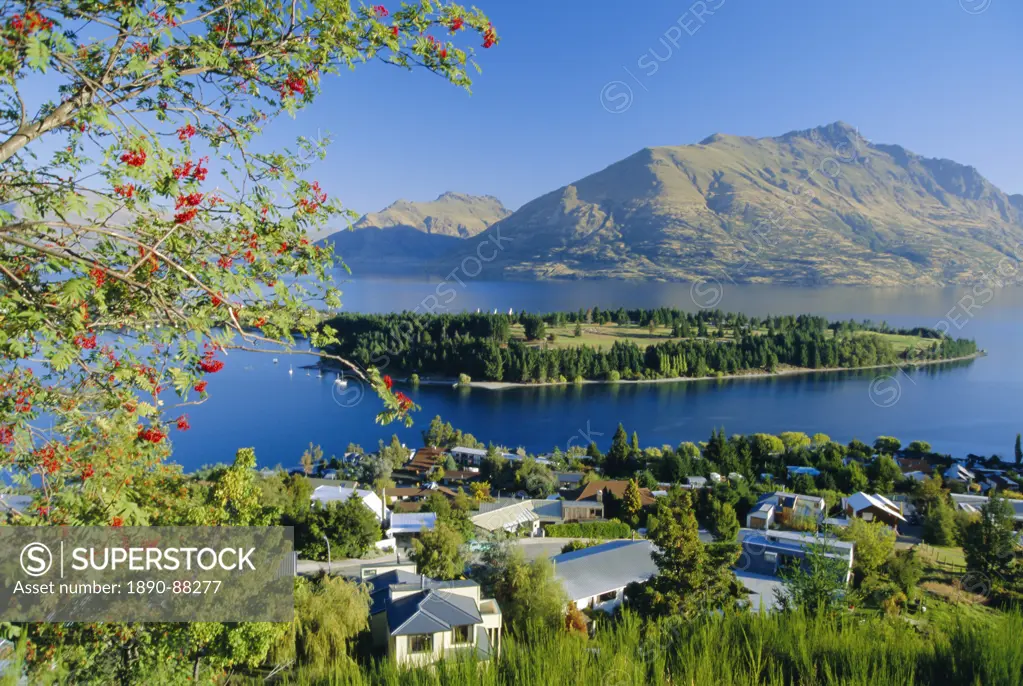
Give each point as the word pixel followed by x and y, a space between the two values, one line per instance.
pixel 406 235
pixel 810 207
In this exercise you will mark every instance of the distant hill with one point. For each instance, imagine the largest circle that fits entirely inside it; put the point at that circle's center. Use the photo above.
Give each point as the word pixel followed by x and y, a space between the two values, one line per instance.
pixel 819 206
pixel 408 234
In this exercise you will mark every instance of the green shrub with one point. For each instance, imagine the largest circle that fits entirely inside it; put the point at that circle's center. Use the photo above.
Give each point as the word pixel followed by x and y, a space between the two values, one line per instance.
pixel 613 376
pixel 599 530
pixel 464 379
pixel 414 379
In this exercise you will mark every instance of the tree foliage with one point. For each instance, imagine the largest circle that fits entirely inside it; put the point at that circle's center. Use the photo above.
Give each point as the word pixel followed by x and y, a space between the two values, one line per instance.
pixel 144 235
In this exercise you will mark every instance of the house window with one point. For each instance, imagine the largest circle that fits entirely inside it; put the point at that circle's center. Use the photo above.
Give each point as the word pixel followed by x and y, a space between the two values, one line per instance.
pixel 461 634
pixel 369 574
pixel 605 597
pixel 420 643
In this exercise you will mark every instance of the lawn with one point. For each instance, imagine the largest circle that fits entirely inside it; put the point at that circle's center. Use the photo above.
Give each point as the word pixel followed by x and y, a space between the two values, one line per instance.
pixel 596 336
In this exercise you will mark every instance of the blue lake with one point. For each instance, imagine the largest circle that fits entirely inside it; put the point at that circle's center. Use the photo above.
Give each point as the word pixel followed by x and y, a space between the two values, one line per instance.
pixel 962 408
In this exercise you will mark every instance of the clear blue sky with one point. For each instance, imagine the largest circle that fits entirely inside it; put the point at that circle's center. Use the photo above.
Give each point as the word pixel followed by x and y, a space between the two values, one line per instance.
pixel 922 73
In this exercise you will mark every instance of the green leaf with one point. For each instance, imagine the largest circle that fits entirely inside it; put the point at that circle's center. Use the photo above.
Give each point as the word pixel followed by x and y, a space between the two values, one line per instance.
pixel 37 53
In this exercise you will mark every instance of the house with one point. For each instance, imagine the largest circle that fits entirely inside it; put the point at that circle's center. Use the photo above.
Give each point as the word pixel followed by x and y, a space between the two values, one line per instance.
pixel 916 476
pixel 735 477
pixel 596 577
pixel 424 460
pixel 765 554
pixel 696 481
pixel 909 465
pixel 405 526
pixel 422 620
pixel 785 506
pixel 716 478
pixel 416 493
pixel 508 517
pixel 997 482
pixel 794 470
pixel 459 477
pixel 508 514
pixel 973 503
pixel 468 456
pixel 598 490
pixel 958 472
pixel 569 479
pixel 873 508
pixel 329 494
pixel 762 516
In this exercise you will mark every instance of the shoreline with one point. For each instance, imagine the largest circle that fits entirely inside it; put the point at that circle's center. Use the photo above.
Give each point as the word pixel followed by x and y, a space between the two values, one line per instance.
pixel 793 371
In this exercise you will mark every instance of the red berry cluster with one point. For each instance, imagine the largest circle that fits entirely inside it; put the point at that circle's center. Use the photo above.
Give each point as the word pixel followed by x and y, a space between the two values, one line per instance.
pixel 437 47
pixel 404 402
pixel 6 435
pixel 293 84
pixel 186 132
pixel 87 471
pixel 456 24
pixel 489 36
pixel 208 364
pixel 190 200
pixel 200 387
pixel 134 158
pixel 138 48
pixel 23 401
pixel 85 341
pixel 319 197
pixel 167 19
pixel 152 434
pixel 380 11
pixel 395 30
pixel 49 459
pixel 191 170
pixel 225 262
pixel 125 191
pixel 30 23
pixel 116 521
pixel 183 424
pixel 388 382
pixel 99 277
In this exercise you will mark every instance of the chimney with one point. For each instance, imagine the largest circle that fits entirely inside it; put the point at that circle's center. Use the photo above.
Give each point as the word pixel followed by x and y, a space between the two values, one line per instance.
pixel 422 582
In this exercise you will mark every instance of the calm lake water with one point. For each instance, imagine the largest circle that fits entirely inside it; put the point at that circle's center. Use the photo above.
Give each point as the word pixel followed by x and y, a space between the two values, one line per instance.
pixel 962 408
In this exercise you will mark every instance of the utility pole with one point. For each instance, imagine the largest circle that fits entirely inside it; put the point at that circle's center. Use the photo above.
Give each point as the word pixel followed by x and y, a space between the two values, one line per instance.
pixel 327 540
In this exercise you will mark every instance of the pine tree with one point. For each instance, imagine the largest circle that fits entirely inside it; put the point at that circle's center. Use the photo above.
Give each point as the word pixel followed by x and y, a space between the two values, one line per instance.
pixel 632 502
pixel 1019 451
pixel 990 541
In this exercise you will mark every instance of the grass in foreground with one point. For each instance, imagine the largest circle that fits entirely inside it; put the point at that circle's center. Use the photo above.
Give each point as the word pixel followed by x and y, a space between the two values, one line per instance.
pixel 741 649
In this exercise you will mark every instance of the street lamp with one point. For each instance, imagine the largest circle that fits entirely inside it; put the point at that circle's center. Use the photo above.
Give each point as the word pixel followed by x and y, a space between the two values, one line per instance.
pixel 328 553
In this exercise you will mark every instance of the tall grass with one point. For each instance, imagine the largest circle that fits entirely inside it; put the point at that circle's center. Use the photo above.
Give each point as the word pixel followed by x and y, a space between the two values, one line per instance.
pixel 734 649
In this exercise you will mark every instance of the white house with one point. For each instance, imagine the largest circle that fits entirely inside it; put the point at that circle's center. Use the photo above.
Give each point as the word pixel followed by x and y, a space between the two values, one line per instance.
pixel 596 577
pixel 411 523
pixel 873 508
pixel 422 620
pixel 958 472
pixel 329 494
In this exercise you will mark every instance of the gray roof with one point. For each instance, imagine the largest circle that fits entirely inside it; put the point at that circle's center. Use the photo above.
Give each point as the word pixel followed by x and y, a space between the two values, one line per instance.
pixel 509 516
pixel 569 477
pixel 412 522
pixel 603 568
pixel 761 590
pixel 977 501
pixel 428 612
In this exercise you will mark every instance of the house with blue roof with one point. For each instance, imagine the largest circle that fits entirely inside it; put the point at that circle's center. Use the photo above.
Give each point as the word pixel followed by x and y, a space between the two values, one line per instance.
pixel 421 620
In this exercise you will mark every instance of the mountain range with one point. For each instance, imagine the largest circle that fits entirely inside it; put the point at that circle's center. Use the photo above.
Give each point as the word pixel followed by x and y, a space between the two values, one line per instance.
pixel 813 207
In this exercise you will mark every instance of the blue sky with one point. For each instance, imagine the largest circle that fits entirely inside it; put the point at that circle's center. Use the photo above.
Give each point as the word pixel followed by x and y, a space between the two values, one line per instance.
pixel 926 74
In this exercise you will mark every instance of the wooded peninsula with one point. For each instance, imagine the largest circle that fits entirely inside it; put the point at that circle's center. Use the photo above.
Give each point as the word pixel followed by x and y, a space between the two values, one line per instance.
pixel 638 344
